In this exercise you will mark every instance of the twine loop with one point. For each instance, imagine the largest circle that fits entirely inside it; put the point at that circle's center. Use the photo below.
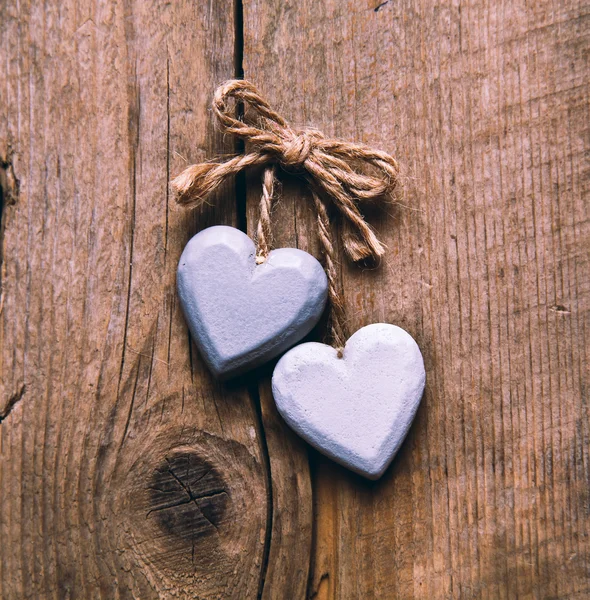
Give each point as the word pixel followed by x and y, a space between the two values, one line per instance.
pixel 347 173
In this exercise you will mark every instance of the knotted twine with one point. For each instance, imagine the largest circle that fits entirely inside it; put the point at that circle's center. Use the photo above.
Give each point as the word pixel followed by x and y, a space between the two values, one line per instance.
pixel 345 172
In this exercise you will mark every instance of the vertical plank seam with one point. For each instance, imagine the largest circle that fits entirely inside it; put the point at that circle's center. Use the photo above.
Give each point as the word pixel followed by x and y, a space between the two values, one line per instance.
pixel 241 190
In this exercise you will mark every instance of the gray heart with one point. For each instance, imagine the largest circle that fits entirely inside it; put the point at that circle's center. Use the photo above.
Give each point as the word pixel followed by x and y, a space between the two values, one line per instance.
pixel 242 314
pixel 356 409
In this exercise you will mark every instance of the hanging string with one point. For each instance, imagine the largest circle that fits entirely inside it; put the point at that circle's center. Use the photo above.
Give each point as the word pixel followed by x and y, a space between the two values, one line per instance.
pixel 264 229
pixel 338 315
pixel 345 172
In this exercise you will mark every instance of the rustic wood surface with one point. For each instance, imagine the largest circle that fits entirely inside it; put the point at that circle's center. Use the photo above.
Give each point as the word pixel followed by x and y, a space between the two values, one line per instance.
pixel 125 471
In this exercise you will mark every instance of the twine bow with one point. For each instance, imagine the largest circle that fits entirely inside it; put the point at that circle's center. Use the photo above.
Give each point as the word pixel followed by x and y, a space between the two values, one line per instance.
pixel 346 172
pixel 328 165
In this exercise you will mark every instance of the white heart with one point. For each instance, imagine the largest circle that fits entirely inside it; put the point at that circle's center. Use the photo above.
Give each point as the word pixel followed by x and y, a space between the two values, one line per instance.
pixel 356 409
pixel 242 314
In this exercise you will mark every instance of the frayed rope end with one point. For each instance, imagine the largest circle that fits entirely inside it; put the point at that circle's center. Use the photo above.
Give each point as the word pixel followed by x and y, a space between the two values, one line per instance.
pixel 194 184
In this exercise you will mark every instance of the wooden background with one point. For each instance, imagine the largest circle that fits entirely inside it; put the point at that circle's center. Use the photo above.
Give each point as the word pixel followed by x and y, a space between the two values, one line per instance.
pixel 125 471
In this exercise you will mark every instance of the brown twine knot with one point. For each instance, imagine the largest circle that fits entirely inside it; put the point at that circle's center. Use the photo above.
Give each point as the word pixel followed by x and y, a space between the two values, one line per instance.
pixel 346 172
pixel 297 150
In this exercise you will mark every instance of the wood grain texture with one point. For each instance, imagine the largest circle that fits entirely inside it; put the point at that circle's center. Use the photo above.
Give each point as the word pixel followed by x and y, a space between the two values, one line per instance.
pixel 486 106
pixel 125 471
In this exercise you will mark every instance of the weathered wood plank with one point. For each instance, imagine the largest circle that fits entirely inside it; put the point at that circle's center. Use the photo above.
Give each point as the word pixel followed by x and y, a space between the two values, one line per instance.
pixel 124 470
pixel 486 105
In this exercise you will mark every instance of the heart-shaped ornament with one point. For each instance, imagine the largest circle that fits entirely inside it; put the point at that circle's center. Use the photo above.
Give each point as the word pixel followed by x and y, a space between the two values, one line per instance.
pixel 242 314
pixel 356 409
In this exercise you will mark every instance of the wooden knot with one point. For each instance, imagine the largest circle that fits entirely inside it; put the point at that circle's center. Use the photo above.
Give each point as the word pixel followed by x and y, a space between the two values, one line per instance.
pixel 191 507
pixel 187 496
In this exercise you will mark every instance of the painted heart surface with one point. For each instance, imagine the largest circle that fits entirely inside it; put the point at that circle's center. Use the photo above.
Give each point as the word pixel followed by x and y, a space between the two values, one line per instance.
pixel 357 409
pixel 242 314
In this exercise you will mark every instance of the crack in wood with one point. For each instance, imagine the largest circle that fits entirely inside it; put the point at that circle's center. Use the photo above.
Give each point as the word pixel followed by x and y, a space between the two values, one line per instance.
pixel 255 396
pixel 9 184
pixel 195 497
pixel 12 402
pixel 9 192
pixel 380 6
pixel 241 189
pixel 188 500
